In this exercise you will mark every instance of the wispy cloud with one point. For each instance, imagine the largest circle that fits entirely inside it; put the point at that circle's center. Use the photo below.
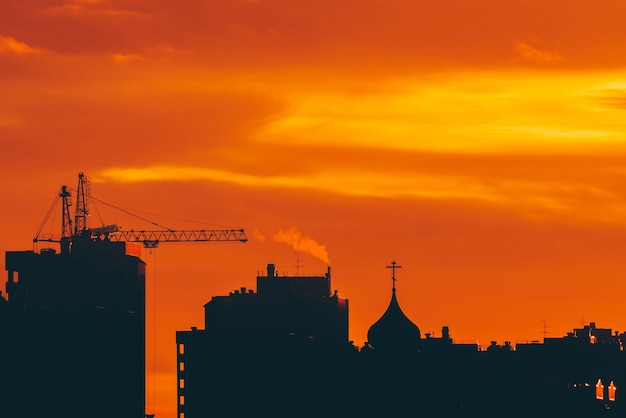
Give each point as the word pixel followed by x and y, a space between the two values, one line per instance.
pixel 11 46
pixel 543 196
pixel 610 98
pixel 529 53
pixel 91 7
pixel 127 57
pixel 10 120
pixel 348 182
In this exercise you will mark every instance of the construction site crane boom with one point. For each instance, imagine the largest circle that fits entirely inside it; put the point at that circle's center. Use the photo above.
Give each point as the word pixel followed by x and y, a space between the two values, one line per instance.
pixel 151 239
pixel 113 233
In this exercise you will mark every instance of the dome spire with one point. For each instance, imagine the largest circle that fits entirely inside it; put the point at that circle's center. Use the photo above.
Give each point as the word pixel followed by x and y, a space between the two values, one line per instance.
pixel 393 268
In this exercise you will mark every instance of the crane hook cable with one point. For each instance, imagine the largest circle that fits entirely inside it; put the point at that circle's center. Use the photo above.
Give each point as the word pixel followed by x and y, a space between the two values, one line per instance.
pixel 45 219
pixel 130 213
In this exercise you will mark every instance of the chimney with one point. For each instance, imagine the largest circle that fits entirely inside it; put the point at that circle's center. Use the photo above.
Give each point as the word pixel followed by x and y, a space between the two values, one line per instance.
pixel 445 333
pixel 271 270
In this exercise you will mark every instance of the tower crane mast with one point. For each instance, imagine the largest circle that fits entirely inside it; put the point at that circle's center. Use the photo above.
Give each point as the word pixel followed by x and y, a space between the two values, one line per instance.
pixel 83 193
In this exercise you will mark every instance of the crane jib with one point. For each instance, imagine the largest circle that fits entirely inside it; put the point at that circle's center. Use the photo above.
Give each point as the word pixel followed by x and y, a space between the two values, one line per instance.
pixel 152 238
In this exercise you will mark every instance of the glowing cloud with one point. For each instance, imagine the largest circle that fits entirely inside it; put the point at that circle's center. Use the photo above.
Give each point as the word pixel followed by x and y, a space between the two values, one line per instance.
pixel 80 8
pixel 614 98
pixel 529 53
pixel 294 238
pixel 10 45
pixel 127 57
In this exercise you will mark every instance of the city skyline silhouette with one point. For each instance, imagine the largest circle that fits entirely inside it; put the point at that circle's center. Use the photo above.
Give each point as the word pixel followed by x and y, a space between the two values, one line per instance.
pixel 75 320
pixel 479 145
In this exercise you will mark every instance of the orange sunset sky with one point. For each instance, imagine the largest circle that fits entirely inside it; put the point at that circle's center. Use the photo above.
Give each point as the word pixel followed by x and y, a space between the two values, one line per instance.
pixel 481 144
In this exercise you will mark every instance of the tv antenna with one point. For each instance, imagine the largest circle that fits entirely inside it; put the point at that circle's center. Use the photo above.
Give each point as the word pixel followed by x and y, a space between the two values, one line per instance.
pixel 297 266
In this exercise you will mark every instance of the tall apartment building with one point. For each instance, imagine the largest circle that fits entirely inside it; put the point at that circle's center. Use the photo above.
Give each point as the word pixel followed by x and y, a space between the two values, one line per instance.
pixel 73 332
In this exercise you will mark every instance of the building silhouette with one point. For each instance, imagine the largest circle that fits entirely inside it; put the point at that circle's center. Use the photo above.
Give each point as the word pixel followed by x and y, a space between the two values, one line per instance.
pixel 264 350
pixel 72 330
pixel 279 352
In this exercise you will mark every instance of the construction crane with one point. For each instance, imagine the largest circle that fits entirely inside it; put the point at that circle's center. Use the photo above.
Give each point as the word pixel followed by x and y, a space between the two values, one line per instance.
pixel 77 230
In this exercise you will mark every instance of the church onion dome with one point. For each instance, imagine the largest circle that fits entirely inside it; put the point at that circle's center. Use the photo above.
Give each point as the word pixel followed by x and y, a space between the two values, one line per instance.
pixel 394 331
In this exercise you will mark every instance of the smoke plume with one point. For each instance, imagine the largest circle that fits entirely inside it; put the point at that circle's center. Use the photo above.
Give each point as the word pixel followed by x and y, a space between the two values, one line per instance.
pixel 259 235
pixel 299 242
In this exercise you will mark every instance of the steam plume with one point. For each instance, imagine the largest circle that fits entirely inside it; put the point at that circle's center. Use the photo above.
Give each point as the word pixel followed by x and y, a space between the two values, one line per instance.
pixel 299 242
pixel 259 235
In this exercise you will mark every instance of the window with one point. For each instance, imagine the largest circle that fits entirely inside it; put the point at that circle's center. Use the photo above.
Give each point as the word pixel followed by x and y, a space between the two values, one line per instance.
pixel 599 390
pixel 612 390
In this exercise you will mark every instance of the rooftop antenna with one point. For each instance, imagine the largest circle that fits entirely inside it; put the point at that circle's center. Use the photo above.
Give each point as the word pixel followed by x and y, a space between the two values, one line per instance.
pixel 393 268
pixel 545 328
pixel 297 266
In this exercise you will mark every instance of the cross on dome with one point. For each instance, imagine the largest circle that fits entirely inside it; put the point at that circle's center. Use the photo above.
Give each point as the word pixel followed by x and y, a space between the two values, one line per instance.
pixel 393 268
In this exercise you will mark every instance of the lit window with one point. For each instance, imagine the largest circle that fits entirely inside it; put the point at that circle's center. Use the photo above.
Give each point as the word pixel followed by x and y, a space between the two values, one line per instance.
pixel 599 390
pixel 612 390
pixel 181 366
